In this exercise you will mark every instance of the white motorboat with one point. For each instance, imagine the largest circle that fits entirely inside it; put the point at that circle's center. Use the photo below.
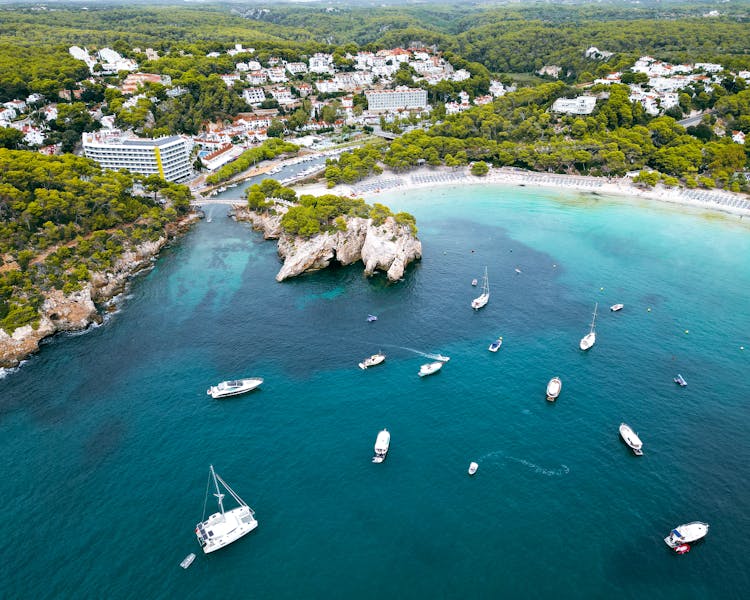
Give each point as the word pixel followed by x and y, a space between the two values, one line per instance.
pixel 473 468
pixel 589 339
pixel 631 438
pixel 680 380
pixel 616 307
pixel 686 534
pixel 371 361
pixel 187 561
pixel 382 443
pixel 484 297
pixel 234 387
pixel 226 526
pixel 495 346
pixel 430 368
pixel 554 387
pixel 442 357
pixel 474 282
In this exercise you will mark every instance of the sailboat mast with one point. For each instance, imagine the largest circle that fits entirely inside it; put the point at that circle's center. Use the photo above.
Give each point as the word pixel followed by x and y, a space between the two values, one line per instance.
pixel 218 493
pixel 593 321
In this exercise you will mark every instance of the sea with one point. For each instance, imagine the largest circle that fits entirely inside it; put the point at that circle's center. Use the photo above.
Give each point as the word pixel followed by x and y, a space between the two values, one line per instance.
pixel 107 436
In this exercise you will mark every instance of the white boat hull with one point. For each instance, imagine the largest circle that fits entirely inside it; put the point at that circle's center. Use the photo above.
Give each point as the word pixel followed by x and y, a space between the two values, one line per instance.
pixel 616 307
pixel 631 438
pixel 480 301
pixel 224 390
pixel 554 387
pixel 382 444
pixel 473 468
pixel 495 346
pixel 587 341
pixel 686 534
pixel 221 530
pixel 373 360
pixel 430 369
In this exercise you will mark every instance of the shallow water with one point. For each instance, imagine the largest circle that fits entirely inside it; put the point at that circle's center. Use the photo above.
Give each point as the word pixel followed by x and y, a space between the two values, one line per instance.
pixel 107 436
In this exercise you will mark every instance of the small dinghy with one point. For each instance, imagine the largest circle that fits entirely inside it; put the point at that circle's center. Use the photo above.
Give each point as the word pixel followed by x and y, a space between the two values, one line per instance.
pixel 473 468
pixel 680 380
pixel 495 346
pixel 187 561
pixel 616 307
pixel 682 549
pixel 474 282
pixel 371 318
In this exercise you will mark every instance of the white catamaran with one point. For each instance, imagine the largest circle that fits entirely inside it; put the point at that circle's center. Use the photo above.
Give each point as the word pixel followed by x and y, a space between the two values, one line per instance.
pixel 484 298
pixel 589 339
pixel 224 527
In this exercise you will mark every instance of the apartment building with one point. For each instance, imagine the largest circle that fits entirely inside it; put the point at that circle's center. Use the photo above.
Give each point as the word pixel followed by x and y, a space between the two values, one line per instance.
pixel 167 157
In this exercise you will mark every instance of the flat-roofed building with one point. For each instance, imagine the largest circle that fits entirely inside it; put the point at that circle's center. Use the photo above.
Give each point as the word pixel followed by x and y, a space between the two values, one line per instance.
pixel 167 157
pixel 583 105
pixel 398 99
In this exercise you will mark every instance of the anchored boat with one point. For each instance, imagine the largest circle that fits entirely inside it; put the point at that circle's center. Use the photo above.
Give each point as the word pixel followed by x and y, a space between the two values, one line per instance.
pixel 430 368
pixel 495 346
pixel 226 526
pixel 382 443
pixel 473 468
pixel 484 297
pixel 234 387
pixel 631 438
pixel 554 387
pixel 373 360
pixel 589 339
pixel 686 534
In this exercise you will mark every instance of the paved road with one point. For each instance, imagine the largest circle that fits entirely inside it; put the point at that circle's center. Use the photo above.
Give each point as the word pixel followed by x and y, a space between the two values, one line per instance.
pixel 692 121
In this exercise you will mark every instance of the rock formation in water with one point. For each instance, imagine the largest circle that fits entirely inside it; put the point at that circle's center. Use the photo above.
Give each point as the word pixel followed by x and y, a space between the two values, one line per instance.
pixel 387 247
pixel 76 311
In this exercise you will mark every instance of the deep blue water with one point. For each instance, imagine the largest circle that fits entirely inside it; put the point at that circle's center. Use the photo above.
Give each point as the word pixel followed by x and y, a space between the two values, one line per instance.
pixel 107 436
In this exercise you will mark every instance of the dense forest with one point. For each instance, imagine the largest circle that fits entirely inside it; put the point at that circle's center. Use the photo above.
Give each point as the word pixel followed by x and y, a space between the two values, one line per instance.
pixel 62 218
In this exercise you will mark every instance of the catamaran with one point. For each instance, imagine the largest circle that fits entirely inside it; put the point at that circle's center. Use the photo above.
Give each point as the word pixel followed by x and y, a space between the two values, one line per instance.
pixel 484 297
pixel 224 527
pixel 589 339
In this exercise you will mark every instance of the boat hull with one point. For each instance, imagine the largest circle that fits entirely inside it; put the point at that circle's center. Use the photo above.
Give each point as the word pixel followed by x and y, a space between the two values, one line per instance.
pixel 382 444
pixel 216 391
pixel 554 387
pixel 587 341
pixel 686 534
pixel 473 468
pixel 430 369
pixel 631 438
pixel 226 528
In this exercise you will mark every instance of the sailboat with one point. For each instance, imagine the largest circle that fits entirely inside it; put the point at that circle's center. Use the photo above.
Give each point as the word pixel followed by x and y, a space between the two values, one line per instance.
pixel 484 298
pixel 224 527
pixel 589 339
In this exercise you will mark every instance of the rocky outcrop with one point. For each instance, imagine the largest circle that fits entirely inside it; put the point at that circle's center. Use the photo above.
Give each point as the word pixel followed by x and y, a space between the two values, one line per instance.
pixel 76 311
pixel 388 247
pixel 268 223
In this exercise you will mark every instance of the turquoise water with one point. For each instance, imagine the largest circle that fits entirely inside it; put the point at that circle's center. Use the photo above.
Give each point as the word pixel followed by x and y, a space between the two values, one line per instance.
pixel 107 436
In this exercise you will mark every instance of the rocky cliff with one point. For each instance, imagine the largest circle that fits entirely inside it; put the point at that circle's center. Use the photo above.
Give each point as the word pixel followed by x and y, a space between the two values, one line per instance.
pixel 76 311
pixel 388 247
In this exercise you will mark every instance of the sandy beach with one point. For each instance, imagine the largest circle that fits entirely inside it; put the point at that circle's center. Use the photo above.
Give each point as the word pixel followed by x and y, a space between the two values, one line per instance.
pixel 371 188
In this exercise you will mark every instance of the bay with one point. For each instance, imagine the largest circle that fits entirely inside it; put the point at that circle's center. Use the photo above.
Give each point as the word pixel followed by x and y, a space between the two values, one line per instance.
pixel 107 436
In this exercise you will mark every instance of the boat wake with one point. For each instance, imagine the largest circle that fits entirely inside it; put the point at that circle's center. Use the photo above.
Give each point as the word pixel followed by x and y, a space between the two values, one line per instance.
pixel 499 454
pixel 440 357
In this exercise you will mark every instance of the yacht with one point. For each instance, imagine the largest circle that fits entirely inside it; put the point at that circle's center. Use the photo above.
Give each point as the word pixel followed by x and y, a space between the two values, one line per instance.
pixel 484 297
pixel 589 339
pixel 430 368
pixel 686 534
pixel 234 387
pixel 495 346
pixel 382 443
pixel 554 387
pixel 616 307
pixel 226 526
pixel 680 380
pixel 631 438
pixel 373 360
pixel 473 468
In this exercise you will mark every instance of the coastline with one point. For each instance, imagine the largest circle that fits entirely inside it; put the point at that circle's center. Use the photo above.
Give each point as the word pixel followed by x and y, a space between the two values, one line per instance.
pixel 425 177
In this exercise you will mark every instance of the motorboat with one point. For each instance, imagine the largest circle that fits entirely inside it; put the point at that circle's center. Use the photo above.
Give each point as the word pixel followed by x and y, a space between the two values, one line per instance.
pixel 686 534
pixel 589 339
pixel 680 380
pixel 474 282
pixel 373 360
pixel 484 297
pixel 371 318
pixel 631 438
pixel 187 561
pixel 473 468
pixel 518 271
pixel 554 387
pixel 616 307
pixel 430 368
pixel 382 443
pixel 226 526
pixel 234 387
pixel 442 358
pixel 495 346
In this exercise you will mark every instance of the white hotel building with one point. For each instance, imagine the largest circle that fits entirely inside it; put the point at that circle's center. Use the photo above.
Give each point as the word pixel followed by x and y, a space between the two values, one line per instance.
pixel 398 99
pixel 167 157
